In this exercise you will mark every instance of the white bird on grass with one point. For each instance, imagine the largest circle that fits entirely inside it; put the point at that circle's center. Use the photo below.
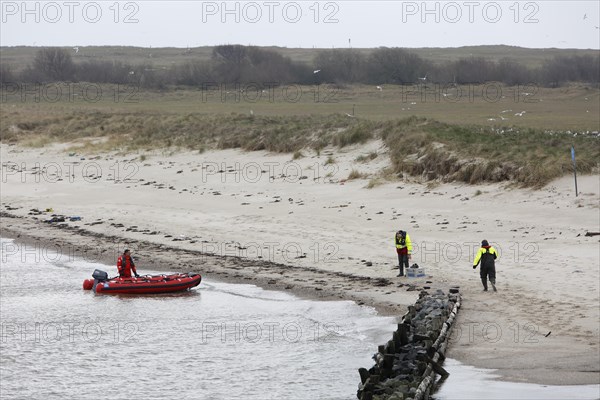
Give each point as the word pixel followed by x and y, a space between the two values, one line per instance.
pixel 76 49
pixel 520 114
pixel 379 88
pixel 316 71
pixel 423 78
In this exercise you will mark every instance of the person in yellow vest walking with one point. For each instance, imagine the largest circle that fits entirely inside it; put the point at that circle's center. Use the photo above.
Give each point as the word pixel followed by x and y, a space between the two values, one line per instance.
pixel 404 250
pixel 487 256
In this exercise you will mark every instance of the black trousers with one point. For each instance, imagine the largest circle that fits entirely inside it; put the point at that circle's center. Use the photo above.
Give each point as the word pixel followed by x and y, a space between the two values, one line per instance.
pixel 487 271
pixel 402 262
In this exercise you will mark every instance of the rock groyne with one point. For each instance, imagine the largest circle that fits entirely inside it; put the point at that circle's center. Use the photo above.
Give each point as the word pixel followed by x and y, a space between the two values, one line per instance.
pixel 406 366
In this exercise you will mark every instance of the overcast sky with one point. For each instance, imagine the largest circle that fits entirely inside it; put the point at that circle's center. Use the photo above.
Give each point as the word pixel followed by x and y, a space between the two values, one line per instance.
pixel 325 24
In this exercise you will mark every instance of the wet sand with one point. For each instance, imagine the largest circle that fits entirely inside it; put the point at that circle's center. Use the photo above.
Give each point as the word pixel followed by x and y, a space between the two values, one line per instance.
pixel 62 242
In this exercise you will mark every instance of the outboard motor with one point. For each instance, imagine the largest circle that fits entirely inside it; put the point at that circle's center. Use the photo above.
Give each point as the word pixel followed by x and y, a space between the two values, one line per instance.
pixel 99 276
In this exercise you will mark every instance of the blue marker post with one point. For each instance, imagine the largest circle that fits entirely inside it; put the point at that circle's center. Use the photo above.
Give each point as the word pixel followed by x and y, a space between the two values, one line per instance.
pixel 574 168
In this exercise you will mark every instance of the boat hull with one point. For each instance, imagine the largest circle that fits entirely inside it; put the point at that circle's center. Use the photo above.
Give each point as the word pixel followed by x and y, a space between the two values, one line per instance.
pixel 148 284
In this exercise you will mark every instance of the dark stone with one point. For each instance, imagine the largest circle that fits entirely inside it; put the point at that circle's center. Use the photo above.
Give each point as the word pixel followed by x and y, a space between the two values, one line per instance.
pixel 390 348
pixel 403 330
pixel 438 368
pixel 421 367
pixel 420 338
pixel 407 367
pixel 388 361
pixel 441 357
pixel 396 338
pixel 405 378
pixel 431 351
pixel 364 375
pixel 379 389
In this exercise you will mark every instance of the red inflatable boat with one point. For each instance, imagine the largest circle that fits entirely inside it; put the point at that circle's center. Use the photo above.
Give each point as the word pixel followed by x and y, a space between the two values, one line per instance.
pixel 147 284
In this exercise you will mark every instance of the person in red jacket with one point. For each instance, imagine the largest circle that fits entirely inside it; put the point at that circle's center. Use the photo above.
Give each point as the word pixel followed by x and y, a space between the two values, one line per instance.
pixel 125 265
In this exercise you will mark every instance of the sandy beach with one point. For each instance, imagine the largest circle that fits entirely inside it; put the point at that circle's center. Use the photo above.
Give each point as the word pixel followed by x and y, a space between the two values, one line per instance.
pixel 301 226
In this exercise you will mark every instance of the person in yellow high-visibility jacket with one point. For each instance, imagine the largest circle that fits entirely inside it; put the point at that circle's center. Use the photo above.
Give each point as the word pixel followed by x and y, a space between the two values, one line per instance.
pixel 487 256
pixel 403 249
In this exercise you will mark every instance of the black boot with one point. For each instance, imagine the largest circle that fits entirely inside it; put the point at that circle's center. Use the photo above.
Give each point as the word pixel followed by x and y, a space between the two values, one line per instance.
pixel 493 285
pixel 401 271
pixel 484 281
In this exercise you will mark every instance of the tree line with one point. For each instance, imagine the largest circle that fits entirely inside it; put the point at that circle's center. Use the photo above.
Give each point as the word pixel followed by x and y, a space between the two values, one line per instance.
pixel 231 64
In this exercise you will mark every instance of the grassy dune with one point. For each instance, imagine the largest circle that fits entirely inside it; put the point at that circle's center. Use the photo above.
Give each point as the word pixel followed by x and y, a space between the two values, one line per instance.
pixel 418 146
pixel 529 157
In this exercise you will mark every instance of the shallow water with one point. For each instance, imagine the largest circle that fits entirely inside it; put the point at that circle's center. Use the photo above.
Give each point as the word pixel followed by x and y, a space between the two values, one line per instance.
pixel 470 383
pixel 218 341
